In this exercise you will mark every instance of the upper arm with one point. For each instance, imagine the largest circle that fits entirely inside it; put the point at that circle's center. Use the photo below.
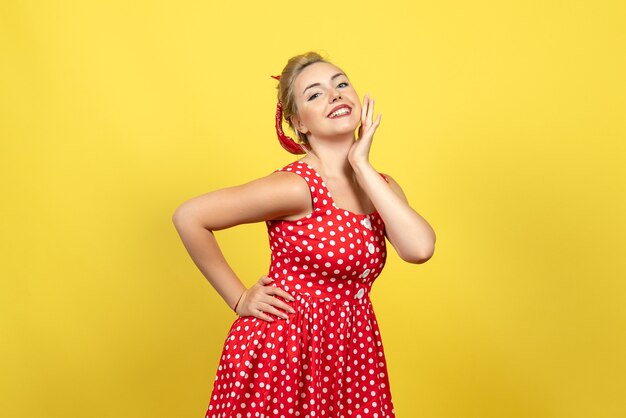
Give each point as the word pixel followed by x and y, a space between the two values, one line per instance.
pixel 276 195
pixel 400 193
pixel 395 187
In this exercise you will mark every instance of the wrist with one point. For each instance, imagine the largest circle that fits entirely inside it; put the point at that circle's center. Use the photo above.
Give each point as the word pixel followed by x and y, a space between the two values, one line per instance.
pixel 238 300
pixel 361 166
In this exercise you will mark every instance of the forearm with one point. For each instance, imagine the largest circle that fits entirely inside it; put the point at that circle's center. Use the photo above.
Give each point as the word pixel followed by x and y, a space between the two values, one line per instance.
pixel 207 256
pixel 411 235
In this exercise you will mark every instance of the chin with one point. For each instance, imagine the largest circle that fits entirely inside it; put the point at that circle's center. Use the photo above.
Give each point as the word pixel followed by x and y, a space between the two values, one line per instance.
pixel 349 130
pixel 347 126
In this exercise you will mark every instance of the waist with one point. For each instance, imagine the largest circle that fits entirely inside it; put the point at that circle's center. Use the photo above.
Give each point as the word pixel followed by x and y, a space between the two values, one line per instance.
pixel 344 292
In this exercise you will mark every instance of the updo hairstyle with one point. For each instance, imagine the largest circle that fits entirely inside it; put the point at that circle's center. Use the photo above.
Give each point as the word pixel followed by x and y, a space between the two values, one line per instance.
pixel 285 87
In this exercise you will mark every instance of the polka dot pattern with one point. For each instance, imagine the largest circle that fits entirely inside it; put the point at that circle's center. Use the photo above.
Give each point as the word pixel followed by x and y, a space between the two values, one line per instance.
pixel 327 358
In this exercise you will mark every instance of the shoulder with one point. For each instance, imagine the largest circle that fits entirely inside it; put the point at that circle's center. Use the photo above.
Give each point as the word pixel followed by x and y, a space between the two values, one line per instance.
pixel 287 184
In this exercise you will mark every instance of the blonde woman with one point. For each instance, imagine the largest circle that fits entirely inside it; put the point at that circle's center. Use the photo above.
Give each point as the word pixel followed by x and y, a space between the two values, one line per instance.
pixel 306 340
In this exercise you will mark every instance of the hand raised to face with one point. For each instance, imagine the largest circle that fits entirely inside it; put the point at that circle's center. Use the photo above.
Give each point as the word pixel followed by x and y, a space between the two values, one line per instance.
pixel 359 152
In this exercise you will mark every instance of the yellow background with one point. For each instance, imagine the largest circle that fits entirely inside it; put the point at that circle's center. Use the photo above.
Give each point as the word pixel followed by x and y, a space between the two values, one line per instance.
pixel 503 121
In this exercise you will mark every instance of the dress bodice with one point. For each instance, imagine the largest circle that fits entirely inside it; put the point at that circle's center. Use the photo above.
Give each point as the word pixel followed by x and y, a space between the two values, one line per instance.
pixel 332 253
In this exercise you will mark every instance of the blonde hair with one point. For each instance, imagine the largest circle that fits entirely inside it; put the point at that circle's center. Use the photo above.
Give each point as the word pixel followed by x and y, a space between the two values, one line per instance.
pixel 285 87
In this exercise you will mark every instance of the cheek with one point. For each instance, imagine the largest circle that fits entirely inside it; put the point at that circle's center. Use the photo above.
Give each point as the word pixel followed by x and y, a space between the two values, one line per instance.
pixel 306 115
pixel 358 104
pixel 357 112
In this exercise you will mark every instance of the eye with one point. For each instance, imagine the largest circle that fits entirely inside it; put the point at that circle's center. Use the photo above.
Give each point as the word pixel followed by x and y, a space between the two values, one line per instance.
pixel 344 84
pixel 313 97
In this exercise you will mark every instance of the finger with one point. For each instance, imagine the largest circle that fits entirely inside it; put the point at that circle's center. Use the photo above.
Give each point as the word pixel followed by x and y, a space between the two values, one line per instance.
pixel 280 292
pixel 282 305
pixel 364 108
pixel 267 308
pixel 377 121
pixel 272 304
pixel 370 111
pixel 262 315
pixel 265 280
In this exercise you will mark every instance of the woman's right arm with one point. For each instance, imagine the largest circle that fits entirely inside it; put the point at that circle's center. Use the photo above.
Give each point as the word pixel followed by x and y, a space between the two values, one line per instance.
pixel 275 196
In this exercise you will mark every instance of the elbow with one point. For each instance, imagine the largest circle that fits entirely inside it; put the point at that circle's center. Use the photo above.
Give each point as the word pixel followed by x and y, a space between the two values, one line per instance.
pixel 417 249
pixel 176 216
pixel 419 255
pixel 179 216
pixel 186 216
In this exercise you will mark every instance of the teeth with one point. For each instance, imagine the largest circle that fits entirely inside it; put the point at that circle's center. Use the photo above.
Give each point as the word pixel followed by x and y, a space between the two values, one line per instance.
pixel 340 112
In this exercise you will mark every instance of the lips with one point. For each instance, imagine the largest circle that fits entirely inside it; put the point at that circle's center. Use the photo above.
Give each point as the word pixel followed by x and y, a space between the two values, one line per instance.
pixel 341 110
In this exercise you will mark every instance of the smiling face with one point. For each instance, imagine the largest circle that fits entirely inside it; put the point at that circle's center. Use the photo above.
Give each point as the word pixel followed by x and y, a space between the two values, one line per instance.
pixel 327 104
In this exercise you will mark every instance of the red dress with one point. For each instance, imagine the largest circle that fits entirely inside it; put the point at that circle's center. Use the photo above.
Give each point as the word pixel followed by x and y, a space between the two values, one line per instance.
pixel 327 358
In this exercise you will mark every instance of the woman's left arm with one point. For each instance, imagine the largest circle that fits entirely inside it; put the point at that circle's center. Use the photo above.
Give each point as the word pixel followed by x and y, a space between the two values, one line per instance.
pixel 409 233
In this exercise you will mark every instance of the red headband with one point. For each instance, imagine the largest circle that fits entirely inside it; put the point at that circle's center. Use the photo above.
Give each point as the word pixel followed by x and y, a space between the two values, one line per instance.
pixel 286 141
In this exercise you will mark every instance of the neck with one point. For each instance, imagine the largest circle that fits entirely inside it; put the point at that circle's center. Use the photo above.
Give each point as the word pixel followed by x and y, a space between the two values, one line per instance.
pixel 331 155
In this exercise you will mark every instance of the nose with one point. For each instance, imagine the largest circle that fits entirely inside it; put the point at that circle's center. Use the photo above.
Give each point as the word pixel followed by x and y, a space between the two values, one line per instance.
pixel 335 95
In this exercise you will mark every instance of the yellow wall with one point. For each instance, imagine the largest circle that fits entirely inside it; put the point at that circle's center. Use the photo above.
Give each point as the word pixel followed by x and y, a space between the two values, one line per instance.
pixel 503 122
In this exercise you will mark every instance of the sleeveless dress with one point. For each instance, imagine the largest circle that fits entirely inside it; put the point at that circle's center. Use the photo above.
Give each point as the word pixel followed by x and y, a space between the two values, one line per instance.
pixel 327 358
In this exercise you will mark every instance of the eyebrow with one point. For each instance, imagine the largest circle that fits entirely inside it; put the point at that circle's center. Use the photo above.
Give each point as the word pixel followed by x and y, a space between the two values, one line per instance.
pixel 317 84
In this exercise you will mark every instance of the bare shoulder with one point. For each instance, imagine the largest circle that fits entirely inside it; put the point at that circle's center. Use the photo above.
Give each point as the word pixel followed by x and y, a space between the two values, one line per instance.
pixel 291 189
pixel 275 196
pixel 289 183
pixel 295 191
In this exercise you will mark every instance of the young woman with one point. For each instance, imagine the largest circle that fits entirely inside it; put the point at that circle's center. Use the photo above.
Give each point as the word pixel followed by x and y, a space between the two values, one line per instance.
pixel 306 341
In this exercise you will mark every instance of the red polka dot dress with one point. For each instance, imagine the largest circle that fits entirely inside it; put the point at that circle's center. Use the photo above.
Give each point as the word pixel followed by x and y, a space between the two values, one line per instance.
pixel 327 358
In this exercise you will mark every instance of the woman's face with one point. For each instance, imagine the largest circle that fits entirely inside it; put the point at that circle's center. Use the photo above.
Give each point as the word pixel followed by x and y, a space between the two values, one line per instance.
pixel 327 104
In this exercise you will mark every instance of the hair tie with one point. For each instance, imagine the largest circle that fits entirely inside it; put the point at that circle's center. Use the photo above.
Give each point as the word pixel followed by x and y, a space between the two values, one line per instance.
pixel 286 141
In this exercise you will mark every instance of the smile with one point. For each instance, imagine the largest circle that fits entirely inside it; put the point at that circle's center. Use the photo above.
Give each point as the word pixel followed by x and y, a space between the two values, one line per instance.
pixel 341 111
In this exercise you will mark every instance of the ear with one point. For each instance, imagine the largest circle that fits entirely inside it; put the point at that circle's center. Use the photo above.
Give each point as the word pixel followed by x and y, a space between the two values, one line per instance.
pixel 297 123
